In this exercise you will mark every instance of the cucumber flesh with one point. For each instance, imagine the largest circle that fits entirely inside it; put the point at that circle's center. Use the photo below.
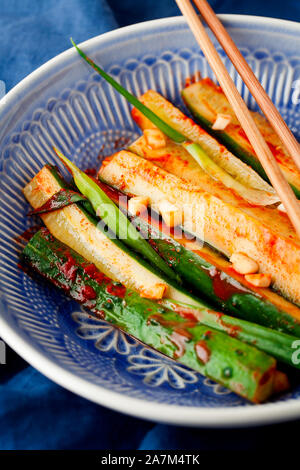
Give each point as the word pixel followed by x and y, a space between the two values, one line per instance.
pixel 204 99
pixel 115 220
pixel 74 226
pixel 195 134
pixel 221 287
pixel 210 274
pixel 236 365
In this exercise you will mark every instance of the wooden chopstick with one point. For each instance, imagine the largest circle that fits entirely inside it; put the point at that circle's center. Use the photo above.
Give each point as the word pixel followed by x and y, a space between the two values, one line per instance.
pixel 254 86
pixel 243 114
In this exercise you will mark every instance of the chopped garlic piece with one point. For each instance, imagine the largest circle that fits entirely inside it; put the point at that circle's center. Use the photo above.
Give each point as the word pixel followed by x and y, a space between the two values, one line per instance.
pixel 137 205
pixel 259 280
pixel 155 292
pixel 281 208
pixel 221 122
pixel 242 264
pixel 171 215
pixel 155 138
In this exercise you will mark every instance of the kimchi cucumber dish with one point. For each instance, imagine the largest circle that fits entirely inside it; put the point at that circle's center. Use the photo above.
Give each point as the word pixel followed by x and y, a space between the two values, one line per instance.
pixel 180 240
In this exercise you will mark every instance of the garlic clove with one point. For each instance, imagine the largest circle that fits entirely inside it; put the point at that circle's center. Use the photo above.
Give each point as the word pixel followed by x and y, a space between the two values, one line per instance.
pixel 155 138
pixel 171 215
pixel 137 205
pixel 242 264
pixel 221 122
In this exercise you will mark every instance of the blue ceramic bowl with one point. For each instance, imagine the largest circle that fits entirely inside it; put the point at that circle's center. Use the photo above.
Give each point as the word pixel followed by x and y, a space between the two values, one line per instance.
pixel 64 103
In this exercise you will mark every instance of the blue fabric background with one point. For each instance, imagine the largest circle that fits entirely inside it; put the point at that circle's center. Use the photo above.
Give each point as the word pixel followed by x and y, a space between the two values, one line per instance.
pixel 35 413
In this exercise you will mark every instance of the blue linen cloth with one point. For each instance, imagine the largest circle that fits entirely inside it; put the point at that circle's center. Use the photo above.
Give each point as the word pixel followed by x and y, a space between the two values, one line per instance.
pixel 35 413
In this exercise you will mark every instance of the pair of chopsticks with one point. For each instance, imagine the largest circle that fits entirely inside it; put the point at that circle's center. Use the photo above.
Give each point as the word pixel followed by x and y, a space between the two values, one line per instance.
pixel 243 114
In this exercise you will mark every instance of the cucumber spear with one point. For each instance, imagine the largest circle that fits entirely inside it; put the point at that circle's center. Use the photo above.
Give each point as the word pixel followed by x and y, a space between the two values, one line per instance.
pixel 253 196
pixel 276 344
pixel 210 275
pixel 114 218
pixel 236 365
pixel 279 345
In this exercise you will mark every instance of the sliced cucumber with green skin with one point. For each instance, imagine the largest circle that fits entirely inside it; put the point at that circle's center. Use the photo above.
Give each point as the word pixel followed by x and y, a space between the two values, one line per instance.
pixel 252 196
pixel 228 141
pixel 76 226
pixel 225 160
pixel 218 287
pixel 198 98
pixel 236 365
pixel 214 282
pixel 264 234
pixel 279 345
pixel 217 170
pixel 110 215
